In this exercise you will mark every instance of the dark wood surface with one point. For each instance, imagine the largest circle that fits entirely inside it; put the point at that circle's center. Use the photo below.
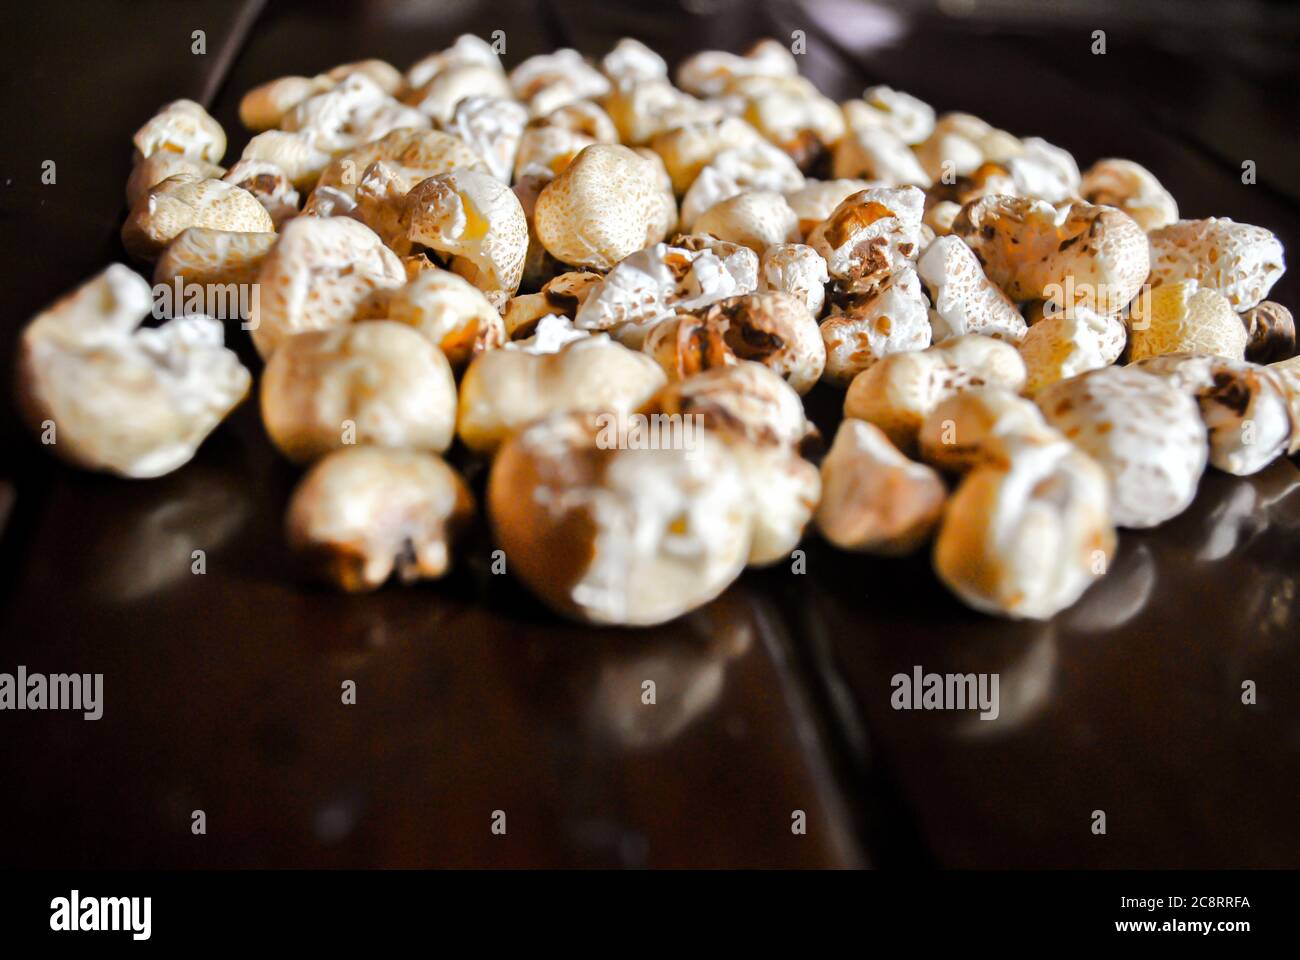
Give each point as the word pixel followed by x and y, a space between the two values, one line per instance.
pixel 222 691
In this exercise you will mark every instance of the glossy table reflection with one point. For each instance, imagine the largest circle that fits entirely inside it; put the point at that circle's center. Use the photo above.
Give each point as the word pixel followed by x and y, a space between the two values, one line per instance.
pixel 223 690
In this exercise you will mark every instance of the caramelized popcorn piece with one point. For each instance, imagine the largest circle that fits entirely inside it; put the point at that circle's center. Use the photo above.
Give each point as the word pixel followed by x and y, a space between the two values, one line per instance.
pixel 1026 540
pixel 615 534
pixel 1181 317
pixel 363 513
pixel 1238 260
pixel 874 499
pixel 1146 434
pixel 897 392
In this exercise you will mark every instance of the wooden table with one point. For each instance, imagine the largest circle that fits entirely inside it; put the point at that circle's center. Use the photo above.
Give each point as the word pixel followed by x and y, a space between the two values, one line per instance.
pixel 222 691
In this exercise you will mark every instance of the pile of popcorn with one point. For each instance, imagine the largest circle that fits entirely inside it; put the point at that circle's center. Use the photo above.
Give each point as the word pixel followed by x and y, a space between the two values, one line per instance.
pixel 617 289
